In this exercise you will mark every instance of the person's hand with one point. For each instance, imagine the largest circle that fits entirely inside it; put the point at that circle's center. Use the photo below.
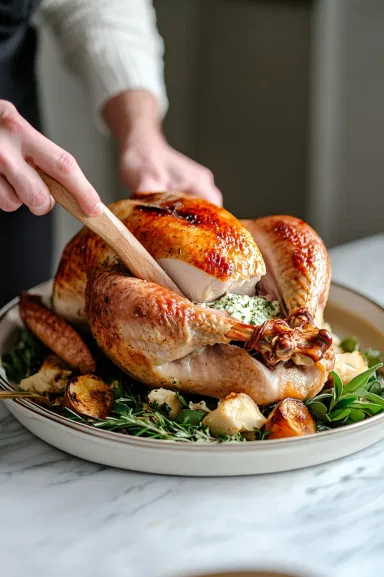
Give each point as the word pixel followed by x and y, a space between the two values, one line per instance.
pixel 21 184
pixel 147 162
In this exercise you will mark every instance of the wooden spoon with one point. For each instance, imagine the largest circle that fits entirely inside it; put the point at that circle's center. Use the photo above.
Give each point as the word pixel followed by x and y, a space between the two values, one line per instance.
pixel 131 252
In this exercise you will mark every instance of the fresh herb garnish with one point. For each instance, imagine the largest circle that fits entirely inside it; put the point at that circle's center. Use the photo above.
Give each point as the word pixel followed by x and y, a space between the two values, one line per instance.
pixel 362 397
pixel 130 419
pixel 372 356
pixel 190 417
pixel 350 344
pixel 25 358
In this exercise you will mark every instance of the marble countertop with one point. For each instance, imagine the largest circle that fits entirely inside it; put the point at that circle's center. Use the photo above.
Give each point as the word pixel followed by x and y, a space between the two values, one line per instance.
pixel 60 515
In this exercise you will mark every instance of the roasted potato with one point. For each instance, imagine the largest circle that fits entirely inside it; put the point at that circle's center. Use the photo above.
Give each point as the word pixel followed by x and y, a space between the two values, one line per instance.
pixel 51 378
pixel 234 414
pixel 89 396
pixel 290 418
pixel 349 365
pixel 166 397
pixel 56 333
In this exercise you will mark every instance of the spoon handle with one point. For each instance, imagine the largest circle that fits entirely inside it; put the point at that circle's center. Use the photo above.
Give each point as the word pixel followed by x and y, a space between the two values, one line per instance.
pixel 131 252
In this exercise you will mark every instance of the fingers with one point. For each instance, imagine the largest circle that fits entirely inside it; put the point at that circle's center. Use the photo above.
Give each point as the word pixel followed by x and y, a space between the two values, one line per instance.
pixel 18 141
pixel 63 167
pixel 29 187
pixel 203 184
pixel 186 175
pixel 209 192
pixel 8 198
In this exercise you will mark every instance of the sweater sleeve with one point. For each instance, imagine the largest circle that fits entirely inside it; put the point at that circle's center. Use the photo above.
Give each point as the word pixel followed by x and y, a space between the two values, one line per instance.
pixel 110 45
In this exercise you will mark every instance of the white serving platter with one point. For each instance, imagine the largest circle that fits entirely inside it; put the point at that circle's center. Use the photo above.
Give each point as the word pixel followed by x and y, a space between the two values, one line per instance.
pixel 349 313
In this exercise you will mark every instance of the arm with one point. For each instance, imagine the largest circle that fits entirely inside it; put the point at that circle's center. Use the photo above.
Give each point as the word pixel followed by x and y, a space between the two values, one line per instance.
pixel 110 45
pixel 115 49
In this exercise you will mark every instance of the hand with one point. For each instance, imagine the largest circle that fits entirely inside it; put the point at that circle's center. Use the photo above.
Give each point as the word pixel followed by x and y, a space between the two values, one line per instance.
pixel 147 162
pixel 20 183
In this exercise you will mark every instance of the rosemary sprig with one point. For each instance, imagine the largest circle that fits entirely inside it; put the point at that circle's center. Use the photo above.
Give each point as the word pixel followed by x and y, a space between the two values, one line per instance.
pixel 154 425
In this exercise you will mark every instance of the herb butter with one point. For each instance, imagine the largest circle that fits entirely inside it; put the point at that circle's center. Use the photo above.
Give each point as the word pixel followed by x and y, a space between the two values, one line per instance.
pixel 250 310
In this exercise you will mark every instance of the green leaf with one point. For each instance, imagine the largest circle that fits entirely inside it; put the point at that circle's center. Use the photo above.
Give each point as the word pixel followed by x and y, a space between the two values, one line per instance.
pixel 337 389
pixel 261 436
pixel 322 427
pixel 339 414
pixel 345 402
pixel 118 389
pixel 371 409
pixel 25 357
pixel 370 397
pixel 181 399
pixel 356 415
pixel 190 417
pixel 318 411
pixel 372 356
pixel 375 387
pixel 367 407
pixel 119 408
pixel 350 344
pixel 321 397
pixel 361 380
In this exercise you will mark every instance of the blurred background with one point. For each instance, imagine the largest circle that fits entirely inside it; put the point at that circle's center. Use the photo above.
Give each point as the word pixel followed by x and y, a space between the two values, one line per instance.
pixel 282 100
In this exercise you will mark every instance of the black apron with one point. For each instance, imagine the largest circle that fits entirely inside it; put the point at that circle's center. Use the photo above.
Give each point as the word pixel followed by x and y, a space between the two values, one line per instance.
pixel 25 240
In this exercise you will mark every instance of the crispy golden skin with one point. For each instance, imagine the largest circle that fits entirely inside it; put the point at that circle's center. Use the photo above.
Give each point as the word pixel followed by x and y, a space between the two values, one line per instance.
pixel 170 226
pixel 166 341
pixel 55 333
pixel 298 267
pixel 290 418
pixel 182 226
pixel 89 396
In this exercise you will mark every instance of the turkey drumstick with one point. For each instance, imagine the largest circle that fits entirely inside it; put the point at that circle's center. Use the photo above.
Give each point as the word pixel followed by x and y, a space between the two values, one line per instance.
pixel 298 276
pixel 278 341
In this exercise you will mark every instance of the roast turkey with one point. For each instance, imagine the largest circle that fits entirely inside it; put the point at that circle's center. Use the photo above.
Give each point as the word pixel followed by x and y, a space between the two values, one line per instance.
pixel 165 340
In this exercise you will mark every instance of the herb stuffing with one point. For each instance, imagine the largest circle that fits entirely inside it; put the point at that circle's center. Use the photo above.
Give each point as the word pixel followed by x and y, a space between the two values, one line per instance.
pixel 250 310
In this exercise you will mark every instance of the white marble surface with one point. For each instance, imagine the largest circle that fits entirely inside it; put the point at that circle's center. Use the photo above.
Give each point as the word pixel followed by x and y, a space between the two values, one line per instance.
pixel 60 515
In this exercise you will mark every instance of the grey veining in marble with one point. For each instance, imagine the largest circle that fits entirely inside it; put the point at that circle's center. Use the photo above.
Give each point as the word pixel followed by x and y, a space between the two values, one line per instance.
pixel 60 515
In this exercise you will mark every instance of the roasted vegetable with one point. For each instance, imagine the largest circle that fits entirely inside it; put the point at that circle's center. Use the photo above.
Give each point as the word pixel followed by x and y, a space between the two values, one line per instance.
pixel 290 418
pixel 51 378
pixel 235 414
pixel 89 396
pixel 56 334
pixel 164 398
pixel 349 365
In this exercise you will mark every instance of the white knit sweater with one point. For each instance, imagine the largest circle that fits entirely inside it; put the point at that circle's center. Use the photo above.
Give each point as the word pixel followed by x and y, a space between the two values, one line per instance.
pixel 110 45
